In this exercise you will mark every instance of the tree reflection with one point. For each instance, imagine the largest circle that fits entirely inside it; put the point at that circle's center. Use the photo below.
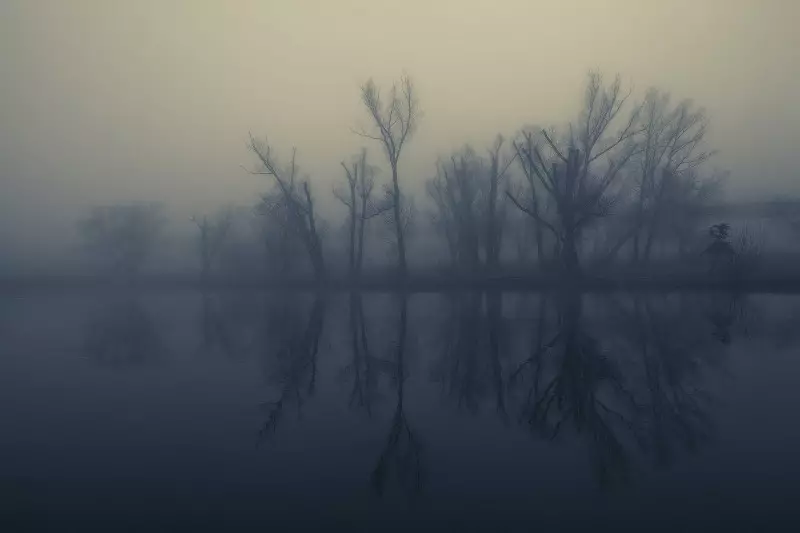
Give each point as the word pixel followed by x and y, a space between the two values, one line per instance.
pixel 289 347
pixel 624 375
pixel 576 384
pixel 469 343
pixel 364 368
pixel 402 453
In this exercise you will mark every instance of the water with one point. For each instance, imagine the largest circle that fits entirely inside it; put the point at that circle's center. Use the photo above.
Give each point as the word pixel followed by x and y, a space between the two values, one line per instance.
pixel 170 411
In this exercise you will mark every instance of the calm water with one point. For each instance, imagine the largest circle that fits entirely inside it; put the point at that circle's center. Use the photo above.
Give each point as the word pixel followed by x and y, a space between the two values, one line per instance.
pixel 166 411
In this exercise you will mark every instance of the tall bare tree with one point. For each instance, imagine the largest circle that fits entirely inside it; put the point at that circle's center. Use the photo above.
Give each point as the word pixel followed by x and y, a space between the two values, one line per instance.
pixel 672 148
pixel 455 191
pixel 123 236
pixel 394 122
pixel 360 206
pixel 470 209
pixel 296 198
pixel 578 172
pixel 495 204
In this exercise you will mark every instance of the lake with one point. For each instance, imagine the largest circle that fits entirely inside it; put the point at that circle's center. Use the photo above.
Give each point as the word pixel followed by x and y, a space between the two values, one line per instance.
pixel 463 411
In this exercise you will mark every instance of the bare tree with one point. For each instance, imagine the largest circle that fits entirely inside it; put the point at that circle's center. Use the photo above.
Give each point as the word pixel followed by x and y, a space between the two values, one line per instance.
pixel 213 232
pixel 296 198
pixel 123 236
pixel 470 210
pixel 672 148
pixel 361 207
pixel 578 173
pixel 394 122
pixel 456 193
pixel 496 207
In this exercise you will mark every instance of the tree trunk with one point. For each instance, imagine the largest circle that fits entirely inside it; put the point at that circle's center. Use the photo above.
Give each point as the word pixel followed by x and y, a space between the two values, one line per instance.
pixel 352 243
pixel 401 243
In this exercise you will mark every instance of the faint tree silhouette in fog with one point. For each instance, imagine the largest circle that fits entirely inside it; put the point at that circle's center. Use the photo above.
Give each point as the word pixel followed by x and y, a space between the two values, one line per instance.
pixel 296 198
pixel 666 179
pixel 394 122
pixel 577 174
pixel 282 250
pixel 495 217
pixel 455 192
pixel 748 250
pixel 360 206
pixel 213 232
pixel 123 236
pixel 470 208
pixel 720 252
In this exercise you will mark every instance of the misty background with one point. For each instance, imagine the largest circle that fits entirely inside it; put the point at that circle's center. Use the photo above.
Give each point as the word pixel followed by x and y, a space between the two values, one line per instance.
pixel 106 102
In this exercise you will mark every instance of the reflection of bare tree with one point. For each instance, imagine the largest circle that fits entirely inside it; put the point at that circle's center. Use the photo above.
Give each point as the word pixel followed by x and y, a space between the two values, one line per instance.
pixel 364 369
pixel 402 453
pixel 469 368
pixel 673 345
pixel 494 310
pixel 293 367
pixel 459 368
pixel 573 383
pixel 123 333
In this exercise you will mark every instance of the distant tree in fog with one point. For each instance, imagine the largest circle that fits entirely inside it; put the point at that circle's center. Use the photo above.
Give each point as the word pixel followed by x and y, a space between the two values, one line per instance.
pixel 213 232
pixel 294 198
pixel 123 236
pixel 394 122
pixel 360 207
pixel 666 182
pixel 470 208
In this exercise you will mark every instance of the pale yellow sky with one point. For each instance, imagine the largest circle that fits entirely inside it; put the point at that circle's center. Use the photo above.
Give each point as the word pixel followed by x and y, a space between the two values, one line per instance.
pixel 105 99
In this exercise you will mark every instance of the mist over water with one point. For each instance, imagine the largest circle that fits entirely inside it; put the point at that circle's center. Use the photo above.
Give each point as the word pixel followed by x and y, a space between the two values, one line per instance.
pixel 372 266
pixel 508 411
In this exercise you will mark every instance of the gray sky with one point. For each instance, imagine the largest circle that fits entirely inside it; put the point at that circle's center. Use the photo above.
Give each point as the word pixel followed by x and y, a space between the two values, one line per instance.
pixel 152 99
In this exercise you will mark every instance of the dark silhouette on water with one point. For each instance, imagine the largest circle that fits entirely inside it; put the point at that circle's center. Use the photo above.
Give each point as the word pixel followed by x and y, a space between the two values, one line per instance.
pixel 402 455
pixel 621 373
pixel 290 349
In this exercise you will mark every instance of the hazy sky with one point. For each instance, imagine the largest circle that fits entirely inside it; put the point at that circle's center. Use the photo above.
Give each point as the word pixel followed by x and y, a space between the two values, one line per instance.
pixel 153 99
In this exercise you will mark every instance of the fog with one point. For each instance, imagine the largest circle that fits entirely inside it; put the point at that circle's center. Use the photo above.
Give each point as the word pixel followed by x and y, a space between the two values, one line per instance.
pixel 108 101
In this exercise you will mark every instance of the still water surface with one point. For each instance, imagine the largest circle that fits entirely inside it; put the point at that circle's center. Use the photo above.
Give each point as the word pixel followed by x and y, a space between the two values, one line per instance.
pixel 175 410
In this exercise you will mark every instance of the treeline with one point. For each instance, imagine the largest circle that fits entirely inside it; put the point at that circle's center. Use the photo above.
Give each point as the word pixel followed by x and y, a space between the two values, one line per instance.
pixel 623 185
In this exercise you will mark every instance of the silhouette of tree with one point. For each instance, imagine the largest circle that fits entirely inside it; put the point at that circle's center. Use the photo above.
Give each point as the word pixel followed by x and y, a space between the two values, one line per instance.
pixel 394 122
pixel 123 236
pixel 296 199
pixel 402 454
pixel 213 231
pixel 672 149
pixel 365 369
pixel 294 364
pixel 358 200
pixel 470 209
pixel 570 174
pixel 577 385
pixel 720 251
